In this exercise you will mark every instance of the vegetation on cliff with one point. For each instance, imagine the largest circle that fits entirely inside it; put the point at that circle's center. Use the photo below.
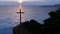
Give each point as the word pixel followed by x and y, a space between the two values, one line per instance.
pixel 50 26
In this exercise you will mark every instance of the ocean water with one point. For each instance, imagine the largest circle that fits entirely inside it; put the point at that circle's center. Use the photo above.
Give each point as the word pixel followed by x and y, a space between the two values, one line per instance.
pixel 9 18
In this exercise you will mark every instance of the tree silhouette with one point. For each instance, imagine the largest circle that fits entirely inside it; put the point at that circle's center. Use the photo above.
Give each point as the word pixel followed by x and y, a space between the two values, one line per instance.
pixel 33 26
pixel 52 24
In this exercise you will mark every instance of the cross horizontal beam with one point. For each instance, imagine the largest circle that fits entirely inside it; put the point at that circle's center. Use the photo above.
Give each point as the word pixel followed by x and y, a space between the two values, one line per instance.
pixel 20 12
pixel 20 15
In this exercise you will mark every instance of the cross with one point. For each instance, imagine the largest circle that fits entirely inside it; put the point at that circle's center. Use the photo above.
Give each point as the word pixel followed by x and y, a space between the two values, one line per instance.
pixel 20 15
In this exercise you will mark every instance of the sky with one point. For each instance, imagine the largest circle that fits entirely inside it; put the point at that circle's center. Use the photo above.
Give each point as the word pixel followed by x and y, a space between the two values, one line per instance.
pixel 42 2
pixel 35 0
pixel 8 0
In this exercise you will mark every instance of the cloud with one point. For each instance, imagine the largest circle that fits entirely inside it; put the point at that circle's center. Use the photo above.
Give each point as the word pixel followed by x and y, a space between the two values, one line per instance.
pixel 9 3
pixel 44 0
pixel 33 0
pixel 8 0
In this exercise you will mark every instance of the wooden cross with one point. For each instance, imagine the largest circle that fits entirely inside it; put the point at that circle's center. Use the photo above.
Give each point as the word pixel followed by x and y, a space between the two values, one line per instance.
pixel 20 15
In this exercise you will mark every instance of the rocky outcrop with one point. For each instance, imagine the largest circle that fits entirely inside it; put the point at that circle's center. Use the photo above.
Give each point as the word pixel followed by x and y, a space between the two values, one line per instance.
pixel 28 27
pixel 20 29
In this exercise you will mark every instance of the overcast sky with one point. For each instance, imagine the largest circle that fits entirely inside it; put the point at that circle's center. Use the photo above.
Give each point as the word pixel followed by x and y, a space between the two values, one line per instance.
pixel 35 0
pixel 44 0
pixel 55 1
pixel 41 1
pixel 8 0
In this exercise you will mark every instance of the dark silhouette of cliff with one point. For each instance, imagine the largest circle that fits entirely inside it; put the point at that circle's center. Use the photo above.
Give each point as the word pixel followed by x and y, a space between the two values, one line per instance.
pixel 28 27
pixel 50 26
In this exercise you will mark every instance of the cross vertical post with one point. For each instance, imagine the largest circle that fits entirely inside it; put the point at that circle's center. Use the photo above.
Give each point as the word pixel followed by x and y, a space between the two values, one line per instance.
pixel 20 15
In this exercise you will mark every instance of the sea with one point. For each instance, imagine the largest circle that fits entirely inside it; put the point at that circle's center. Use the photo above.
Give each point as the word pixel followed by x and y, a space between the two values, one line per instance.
pixel 9 17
